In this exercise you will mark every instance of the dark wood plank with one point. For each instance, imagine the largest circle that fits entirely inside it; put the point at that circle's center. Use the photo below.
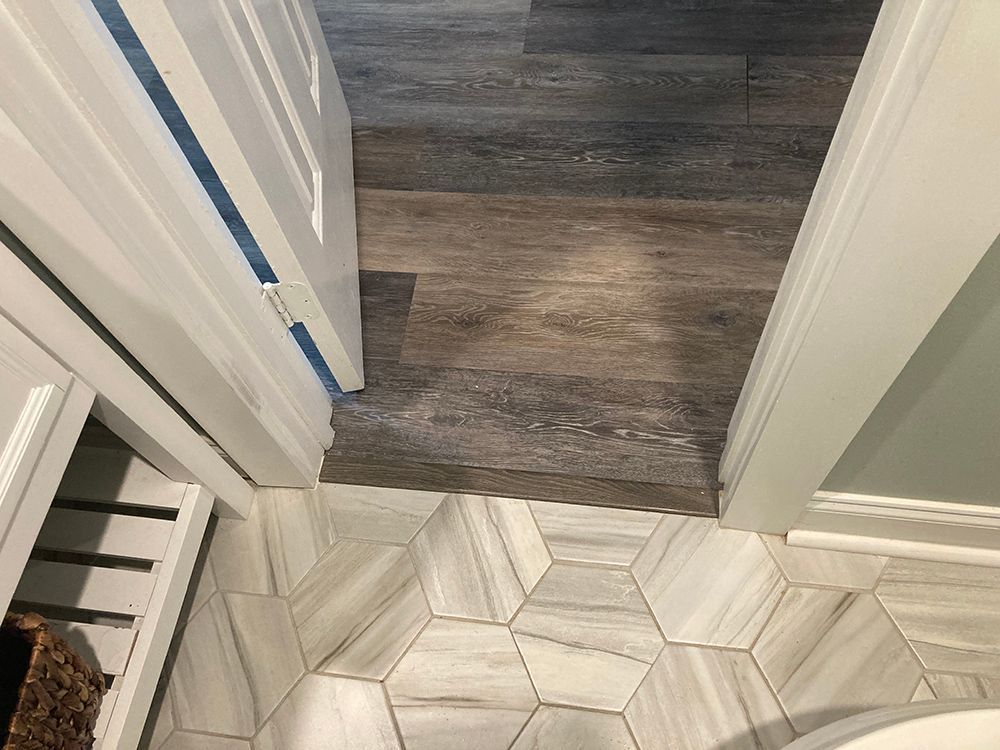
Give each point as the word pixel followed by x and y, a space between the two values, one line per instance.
pixel 785 27
pixel 434 29
pixel 680 334
pixel 608 428
pixel 530 485
pixel 387 157
pixel 799 90
pixel 705 162
pixel 658 241
pixel 385 305
pixel 654 88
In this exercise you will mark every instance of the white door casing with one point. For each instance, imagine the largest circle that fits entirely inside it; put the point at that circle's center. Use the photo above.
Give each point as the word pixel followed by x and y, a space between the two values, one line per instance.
pixel 256 83
pixel 906 205
pixel 97 188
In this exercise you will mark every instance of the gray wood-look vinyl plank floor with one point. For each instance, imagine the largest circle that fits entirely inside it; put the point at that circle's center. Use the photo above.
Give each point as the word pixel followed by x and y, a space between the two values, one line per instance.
pixel 573 217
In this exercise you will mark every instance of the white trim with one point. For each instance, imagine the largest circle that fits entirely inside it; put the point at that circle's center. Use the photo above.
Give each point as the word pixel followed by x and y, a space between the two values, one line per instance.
pixel 904 209
pixel 95 185
pixel 236 73
pixel 900 527
pixel 157 626
pixel 124 402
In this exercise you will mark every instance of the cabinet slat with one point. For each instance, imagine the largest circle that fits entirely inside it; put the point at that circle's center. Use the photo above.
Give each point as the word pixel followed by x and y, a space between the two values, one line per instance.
pixel 105 647
pixel 118 476
pixel 105 534
pixel 123 592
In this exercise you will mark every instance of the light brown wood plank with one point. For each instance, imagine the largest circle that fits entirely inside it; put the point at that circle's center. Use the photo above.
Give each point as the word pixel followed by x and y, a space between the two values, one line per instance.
pixel 616 429
pixel 682 334
pixel 655 241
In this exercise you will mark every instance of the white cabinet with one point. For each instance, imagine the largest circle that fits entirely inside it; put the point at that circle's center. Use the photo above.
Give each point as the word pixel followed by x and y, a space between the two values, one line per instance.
pixel 42 410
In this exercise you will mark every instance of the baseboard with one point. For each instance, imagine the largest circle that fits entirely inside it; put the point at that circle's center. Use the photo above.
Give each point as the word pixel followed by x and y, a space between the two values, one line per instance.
pixel 900 527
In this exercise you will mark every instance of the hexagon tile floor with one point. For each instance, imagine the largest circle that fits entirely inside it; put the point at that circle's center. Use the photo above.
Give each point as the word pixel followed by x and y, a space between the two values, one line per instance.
pixel 361 617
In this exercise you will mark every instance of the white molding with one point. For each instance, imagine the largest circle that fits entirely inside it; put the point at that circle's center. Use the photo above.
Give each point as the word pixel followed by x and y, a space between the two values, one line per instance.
pixel 900 527
pixel 96 186
pixel 124 402
pixel 904 209
pixel 257 86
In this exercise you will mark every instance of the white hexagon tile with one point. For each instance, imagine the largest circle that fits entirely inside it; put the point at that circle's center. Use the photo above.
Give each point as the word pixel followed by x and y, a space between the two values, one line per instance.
pixel 478 557
pixel 358 609
pixel 461 685
pixel 587 637
pixel 430 622
pixel 708 585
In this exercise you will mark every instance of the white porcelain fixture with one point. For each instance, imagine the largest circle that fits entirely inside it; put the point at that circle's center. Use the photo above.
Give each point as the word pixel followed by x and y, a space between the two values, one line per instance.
pixel 956 725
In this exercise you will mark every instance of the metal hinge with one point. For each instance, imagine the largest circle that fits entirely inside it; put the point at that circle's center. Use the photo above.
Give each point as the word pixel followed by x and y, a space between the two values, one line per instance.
pixel 293 300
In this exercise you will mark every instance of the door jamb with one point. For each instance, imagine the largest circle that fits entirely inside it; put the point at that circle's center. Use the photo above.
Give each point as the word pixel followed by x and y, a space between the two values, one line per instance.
pixel 911 174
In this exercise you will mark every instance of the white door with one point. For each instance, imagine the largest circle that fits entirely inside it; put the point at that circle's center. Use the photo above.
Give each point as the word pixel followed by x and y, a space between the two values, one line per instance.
pixel 42 410
pixel 905 208
pixel 256 83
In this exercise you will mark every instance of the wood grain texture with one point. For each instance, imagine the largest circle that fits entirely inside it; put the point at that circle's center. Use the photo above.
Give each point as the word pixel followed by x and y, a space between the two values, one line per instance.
pixel 700 698
pixel 585 208
pixel 618 159
pixel 385 305
pixel 646 432
pixel 799 90
pixel 434 29
pixel 656 241
pixel 536 485
pixel 386 156
pixel 679 334
pixel 447 89
pixel 715 27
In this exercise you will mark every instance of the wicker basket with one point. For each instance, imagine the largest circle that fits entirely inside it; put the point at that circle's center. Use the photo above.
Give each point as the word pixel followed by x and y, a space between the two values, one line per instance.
pixel 49 693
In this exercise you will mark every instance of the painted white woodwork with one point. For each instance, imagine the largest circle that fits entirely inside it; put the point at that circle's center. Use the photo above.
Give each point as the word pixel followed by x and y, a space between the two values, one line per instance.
pixel 95 185
pixel 104 718
pixel 104 646
pixel 83 594
pixel 255 81
pixel 123 592
pixel 42 411
pixel 136 688
pixel 900 527
pixel 105 534
pixel 117 476
pixel 905 207
pixel 124 402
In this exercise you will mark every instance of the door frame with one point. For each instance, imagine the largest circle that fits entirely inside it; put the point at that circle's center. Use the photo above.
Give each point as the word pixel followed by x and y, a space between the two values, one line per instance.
pixel 120 398
pixel 98 189
pixel 906 205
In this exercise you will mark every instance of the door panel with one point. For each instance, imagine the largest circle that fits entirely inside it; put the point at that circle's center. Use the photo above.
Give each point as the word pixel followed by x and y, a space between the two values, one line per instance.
pixel 42 411
pixel 256 83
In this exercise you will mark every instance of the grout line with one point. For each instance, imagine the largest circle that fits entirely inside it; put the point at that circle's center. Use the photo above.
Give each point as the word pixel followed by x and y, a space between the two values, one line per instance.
pixel 899 629
pixel 392 714
pixel 649 539
pixel 427 518
pixel 163 743
pixel 524 663
pixel 538 526
pixel 270 715
pixel 524 726
pixel 628 725
pixel 773 691
pixel 420 583
pixel 767 621
pixel 406 651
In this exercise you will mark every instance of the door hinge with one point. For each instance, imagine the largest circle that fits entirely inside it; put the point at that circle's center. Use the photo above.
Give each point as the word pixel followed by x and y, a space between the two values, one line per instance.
pixel 293 300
